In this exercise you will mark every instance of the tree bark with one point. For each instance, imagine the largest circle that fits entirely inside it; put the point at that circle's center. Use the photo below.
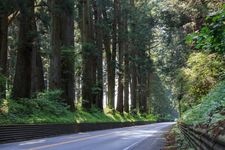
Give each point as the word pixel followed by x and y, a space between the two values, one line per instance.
pixel 37 74
pixel 99 51
pixel 127 65
pixel 3 53
pixel 149 88
pixel 134 88
pixel 89 79
pixel 55 56
pixel 143 94
pixel 111 56
pixel 120 95
pixel 133 65
pixel 22 79
pixel 62 59
pixel 68 72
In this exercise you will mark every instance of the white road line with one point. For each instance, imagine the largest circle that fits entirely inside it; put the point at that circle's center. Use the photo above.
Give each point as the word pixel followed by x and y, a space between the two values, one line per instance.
pixel 133 145
pixel 32 142
pixel 136 143
pixel 68 142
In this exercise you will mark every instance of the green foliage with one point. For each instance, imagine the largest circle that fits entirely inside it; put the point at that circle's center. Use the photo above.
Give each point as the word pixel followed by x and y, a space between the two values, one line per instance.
pixel 2 79
pixel 47 108
pixel 212 36
pixel 94 115
pixel 211 108
pixel 160 102
pixel 202 72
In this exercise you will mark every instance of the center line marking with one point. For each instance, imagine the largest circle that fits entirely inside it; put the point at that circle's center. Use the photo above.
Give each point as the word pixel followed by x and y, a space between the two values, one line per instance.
pixel 67 142
pixel 82 139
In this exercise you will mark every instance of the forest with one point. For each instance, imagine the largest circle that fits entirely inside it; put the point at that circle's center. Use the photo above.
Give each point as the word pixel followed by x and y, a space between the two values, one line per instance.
pixel 64 61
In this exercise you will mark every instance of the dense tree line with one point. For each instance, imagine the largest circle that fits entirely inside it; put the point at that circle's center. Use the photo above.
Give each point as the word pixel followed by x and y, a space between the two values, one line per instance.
pixel 93 51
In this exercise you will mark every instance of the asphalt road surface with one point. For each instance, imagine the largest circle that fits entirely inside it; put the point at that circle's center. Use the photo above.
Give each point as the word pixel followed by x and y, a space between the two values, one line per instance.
pixel 147 137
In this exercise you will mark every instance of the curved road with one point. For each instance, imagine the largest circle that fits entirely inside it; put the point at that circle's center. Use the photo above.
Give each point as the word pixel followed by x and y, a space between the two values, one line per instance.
pixel 147 137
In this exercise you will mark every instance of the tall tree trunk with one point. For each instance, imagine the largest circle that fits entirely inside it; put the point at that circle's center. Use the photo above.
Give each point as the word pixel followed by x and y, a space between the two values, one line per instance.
pixel 138 90
pixel 3 53
pixel 143 94
pixel 110 72
pixel 88 95
pixel 111 56
pixel 99 46
pixel 133 64
pixel 67 62
pixel 62 59
pixel 55 56
pixel 127 65
pixel 94 55
pixel 126 85
pixel 120 59
pixel 37 74
pixel 133 88
pixel 149 88
pixel 78 88
pixel 22 80
pixel 112 77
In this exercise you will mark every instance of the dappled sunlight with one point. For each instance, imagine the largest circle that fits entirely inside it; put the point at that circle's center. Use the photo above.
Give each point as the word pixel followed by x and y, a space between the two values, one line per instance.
pixel 137 134
pixel 4 106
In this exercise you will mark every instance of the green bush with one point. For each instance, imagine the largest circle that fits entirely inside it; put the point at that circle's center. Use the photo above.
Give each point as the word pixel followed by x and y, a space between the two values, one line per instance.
pixel 47 107
pixel 202 72
pixel 211 108
pixel 49 102
pixel 211 36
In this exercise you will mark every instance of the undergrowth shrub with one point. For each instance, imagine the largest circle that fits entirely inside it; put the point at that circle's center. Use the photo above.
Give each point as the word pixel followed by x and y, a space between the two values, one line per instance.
pixel 211 110
pixel 46 106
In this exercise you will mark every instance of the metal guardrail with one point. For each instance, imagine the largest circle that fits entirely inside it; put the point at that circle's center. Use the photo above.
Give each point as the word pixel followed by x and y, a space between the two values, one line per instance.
pixel 201 140
pixel 16 133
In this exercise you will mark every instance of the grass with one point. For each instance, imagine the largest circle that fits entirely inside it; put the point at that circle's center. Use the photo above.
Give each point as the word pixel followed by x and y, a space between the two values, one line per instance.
pixel 79 116
pixel 46 108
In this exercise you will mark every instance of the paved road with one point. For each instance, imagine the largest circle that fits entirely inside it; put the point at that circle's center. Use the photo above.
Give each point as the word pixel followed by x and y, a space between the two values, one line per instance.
pixel 147 137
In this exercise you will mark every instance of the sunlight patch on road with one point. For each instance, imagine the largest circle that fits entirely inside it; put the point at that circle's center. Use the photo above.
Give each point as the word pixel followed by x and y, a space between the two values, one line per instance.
pixel 32 142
